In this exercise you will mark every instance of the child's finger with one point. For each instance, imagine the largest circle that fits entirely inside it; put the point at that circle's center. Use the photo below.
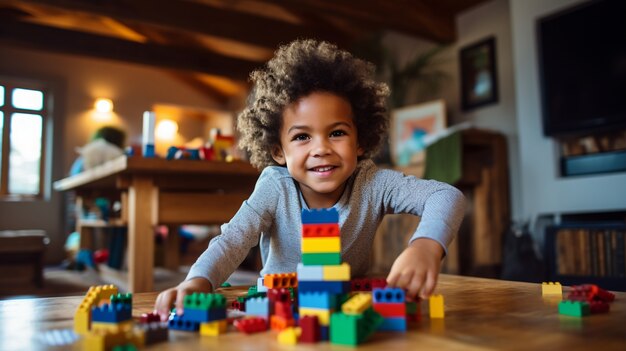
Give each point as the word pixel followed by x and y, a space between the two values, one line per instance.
pixel 180 297
pixel 392 278
pixel 404 279
pixel 163 303
pixel 416 284
pixel 429 285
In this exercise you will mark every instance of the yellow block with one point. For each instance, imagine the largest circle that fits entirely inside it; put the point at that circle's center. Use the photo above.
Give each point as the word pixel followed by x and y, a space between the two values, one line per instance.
pixel 102 340
pixel 112 327
pixel 357 304
pixel 551 288
pixel 336 272
pixel 323 316
pixel 213 328
pixel 289 336
pixel 321 245
pixel 436 306
pixel 82 319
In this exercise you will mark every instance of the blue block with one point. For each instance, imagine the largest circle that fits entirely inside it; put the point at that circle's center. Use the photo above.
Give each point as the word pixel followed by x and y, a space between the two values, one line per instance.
pixel 320 216
pixel 258 306
pixel 324 332
pixel 393 324
pixel 314 273
pixel 111 313
pixel 388 295
pixel 171 153
pixel 333 287
pixel 199 315
pixel 177 322
pixel 317 299
pixel 148 150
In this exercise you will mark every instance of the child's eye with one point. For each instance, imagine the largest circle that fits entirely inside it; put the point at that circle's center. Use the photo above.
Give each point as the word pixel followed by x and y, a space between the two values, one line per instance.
pixel 338 133
pixel 300 137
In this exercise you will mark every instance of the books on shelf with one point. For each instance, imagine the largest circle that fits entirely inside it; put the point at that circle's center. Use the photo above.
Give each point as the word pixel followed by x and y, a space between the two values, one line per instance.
pixel 599 252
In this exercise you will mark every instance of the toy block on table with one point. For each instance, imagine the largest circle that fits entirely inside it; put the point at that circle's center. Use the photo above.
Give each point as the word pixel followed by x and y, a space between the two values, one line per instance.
pixel 153 332
pixel 279 295
pixel 112 313
pixel 337 272
pixel 93 297
pixel 574 308
pixel 122 298
pixel 388 295
pixel 180 322
pixel 357 304
pixel 203 316
pixel 436 306
pixel 310 329
pixel 260 286
pixel 321 244
pixel 214 328
pixel 397 309
pixel 125 347
pixel 113 327
pixel 323 315
pixel 320 230
pixel 412 311
pixel 204 301
pixel 310 272
pixel 317 299
pixel 397 324
pixel 321 259
pixel 320 216
pixel 289 336
pixel 283 309
pixel 149 318
pixel 251 325
pixel 352 330
pixel 333 287
pixel 590 292
pixel 551 288
pixel 258 306
pixel 279 323
pixel 281 280
pixel 102 340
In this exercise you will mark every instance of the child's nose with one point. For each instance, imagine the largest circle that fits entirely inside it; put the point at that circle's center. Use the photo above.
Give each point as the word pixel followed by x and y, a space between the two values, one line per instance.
pixel 321 148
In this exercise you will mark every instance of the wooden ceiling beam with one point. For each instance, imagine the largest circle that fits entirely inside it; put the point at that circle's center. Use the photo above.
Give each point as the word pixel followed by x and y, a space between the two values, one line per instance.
pixel 40 37
pixel 199 18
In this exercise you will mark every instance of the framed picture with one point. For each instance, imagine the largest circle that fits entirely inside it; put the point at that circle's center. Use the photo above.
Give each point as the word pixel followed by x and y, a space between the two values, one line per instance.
pixel 479 81
pixel 411 128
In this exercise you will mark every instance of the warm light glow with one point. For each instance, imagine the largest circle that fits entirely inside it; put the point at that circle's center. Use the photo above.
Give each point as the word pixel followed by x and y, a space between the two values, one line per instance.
pixel 103 105
pixel 166 129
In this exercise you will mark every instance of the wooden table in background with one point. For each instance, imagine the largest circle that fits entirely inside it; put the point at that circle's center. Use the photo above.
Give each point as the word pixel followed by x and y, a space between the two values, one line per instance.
pixel 155 191
pixel 481 314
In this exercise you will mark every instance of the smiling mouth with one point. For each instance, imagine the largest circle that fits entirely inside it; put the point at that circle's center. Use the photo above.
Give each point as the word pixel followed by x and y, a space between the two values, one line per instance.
pixel 323 168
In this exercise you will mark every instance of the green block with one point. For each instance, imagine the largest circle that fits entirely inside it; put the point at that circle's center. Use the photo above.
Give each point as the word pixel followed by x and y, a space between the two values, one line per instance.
pixel 321 259
pixel 347 329
pixel 226 285
pixel 411 307
pixel 252 290
pixel 126 299
pixel 204 301
pixel 574 308
pixel 126 347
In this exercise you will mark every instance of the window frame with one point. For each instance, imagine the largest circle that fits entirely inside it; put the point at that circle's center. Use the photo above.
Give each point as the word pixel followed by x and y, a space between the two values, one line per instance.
pixel 11 83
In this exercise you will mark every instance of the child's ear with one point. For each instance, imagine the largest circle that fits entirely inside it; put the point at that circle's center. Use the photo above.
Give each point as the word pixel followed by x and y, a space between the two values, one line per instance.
pixel 278 155
pixel 360 151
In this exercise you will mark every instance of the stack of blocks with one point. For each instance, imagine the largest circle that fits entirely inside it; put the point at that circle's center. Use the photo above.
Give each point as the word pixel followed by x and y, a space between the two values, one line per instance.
pixel 104 319
pixel 586 299
pixel 390 304
pixel 201 312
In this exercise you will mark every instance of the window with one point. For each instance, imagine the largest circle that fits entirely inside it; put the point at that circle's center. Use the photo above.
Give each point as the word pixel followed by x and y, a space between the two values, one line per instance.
pixel 23 113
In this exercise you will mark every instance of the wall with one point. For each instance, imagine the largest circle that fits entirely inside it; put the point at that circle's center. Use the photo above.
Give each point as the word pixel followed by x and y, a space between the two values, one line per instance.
pixel 544 192
pixel 133 89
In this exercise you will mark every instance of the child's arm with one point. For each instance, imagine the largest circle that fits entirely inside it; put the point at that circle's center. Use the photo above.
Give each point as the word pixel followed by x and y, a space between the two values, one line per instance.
pixel 177 295
pixel 416 269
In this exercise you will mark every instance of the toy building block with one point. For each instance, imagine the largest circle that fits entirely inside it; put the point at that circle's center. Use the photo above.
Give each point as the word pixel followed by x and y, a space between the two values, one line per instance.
pixel 598 306
pixel 279 323
pixel 317 299
pixel 412 311
pixel 238 305
pixel 260 286
pixel 203 316
pixel 112 313
pixel 321 259
pixel 281 280
pixel 337 272
pixel 574 308
pixel 214 328
pixel 333 287
pixel 387 310
pixel 154 332
pixel 203 301
pixel 360 284
pixel 320 216
pixel 379 283
pixel 102 340
pixel 551 288
pixel 435 303
pixel 283 309
pixel 321 244
pixel 149 318
pixel 82 317
pixel 251 325
pixel 309 272
pixel 276 295
pixel 357 304
pixel 393 324
pixel 112 327
pixel 323 315
pixel 122 298
pixel 353 329
pixel 388 295
pixel 124 347
pixel 289 336
pixel 590 292
pixel 179 322
pixel 258 306
pixel 310 329
pixel 320 230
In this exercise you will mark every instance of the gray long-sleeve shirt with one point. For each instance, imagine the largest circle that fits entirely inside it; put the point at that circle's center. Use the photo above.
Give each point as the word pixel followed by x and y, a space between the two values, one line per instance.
pixel 272 217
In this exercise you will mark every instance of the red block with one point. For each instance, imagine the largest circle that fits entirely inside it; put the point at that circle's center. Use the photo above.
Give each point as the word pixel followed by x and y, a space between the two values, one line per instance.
pixel 360 284
pixel 598 307
pixel 378 283
pixel 320 230
pixel 240 306
pixel 149 318
pixel 310 329
pixel 251 325
pixel 390 309
pixel 590 292
pixel 283 309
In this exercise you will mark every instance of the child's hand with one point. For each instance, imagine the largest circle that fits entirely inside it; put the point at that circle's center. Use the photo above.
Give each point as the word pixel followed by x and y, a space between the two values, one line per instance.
pixel 165 299
pixel 417 268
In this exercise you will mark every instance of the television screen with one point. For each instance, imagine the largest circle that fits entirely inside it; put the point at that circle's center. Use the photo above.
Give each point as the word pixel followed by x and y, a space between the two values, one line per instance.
pixel 582 62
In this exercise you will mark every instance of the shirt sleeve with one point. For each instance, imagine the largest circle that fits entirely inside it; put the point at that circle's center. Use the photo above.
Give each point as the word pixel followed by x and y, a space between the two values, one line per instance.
pixel 440 206
pixel 227 250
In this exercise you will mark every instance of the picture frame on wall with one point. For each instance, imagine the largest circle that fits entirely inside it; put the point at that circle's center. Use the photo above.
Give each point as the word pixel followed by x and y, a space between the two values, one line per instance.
pixel 479 78
pixel 412 127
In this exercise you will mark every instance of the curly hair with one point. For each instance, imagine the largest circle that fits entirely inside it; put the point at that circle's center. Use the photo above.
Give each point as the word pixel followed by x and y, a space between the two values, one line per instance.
pixel 297 70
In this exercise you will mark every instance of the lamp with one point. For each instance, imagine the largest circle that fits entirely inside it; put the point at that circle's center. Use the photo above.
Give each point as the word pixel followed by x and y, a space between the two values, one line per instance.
pixel 103 105
pixel 166 129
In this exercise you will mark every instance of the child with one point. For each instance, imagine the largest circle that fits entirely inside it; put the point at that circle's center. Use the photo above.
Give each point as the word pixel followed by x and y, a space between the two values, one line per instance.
pixel 315 119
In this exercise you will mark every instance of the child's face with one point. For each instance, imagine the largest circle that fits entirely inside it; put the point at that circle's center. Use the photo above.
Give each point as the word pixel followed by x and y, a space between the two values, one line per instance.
pixel 318 143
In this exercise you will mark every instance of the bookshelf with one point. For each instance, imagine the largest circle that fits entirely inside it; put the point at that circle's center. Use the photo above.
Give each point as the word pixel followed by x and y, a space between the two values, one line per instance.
pixel 587 253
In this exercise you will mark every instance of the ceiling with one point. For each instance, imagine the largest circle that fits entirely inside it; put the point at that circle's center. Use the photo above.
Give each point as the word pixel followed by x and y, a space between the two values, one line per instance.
pixel 212 45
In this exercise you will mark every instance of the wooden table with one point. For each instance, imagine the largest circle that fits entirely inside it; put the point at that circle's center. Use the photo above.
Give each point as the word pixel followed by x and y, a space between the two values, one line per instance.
pixel 155 191
pixel 481 314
